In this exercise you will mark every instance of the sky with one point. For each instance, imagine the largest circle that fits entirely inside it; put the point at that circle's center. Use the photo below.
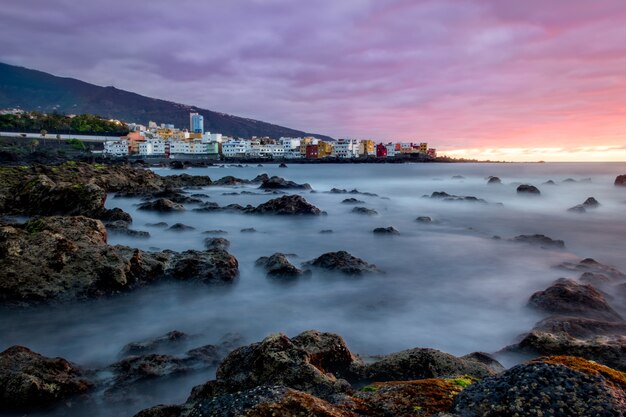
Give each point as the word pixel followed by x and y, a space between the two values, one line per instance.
pixel 488 79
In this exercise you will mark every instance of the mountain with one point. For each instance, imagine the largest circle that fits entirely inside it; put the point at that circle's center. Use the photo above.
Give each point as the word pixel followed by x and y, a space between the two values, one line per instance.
pixel 39 91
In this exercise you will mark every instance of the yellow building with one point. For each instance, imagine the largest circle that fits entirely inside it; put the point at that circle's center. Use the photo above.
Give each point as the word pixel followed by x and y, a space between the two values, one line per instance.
pixel 367 147
pixel 324 149
pixel 306 141
pixel 165 133
pixel 423 147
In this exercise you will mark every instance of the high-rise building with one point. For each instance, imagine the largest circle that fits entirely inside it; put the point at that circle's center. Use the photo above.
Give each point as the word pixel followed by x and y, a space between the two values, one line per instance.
pixel 196 123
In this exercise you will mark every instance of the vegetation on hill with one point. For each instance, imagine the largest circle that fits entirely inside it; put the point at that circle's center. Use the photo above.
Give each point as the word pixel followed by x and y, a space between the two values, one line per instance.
pixel 87 124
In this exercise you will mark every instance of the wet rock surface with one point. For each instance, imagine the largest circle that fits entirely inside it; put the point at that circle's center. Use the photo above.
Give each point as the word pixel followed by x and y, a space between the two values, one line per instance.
pixel 528 189
pixel 442 195
pixel 287 205
pixel 216 243
pixel 567 297
pixel 162 205
pixel 390 230
pixel 64 258
pixel 30 381
pixel 560 386
pixel 279 183
pixel 278 266
pixel 542 241
pixel 620 180
pixel 424 219
pixel 494 180
pixel 365 211
pixel 343 262
pixel 352 200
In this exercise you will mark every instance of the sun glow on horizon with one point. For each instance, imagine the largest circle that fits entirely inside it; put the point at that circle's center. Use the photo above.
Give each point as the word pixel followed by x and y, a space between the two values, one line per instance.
pixel 608 153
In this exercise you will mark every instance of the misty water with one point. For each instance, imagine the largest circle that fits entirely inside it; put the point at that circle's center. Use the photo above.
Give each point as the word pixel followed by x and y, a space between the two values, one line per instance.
pixel 448 284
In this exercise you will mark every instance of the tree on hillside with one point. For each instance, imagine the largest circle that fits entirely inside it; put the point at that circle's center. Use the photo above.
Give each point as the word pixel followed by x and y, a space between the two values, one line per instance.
pixel 33 145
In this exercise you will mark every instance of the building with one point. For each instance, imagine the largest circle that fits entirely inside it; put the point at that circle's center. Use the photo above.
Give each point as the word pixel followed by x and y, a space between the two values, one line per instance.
pixel 367 148
pixel 311 151
pixel 391 149
pixel 324 149
pixel 236 148
pixel 346 148
pixel 423 148
pixel 196 123
pixel 306 142
pixel 152 147
pixel 290 143
pixel 381 151
pixel 432 152
pixel 116 148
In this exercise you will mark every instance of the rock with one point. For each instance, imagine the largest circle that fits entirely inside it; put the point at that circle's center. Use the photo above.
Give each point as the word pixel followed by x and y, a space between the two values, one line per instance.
pixel 214 266
pixel 277 361
pixel 458 177
pixel 487 359
pixel 556 386
pixel 177 165
pixel 579 208
pixel 549 182
pixel 122 227
pixel 422 363
pixel 592 266
pixel 158 224
pixel 114 214
pixel 528 189
pixel 355 191
pixel 215 232
pixel 569 180
pixel 390 230
pixel 442 195
pixel 180 227
pixel 161 411
pixel 352 200
pixel 596 340
pixel 162 205
pixel 134 369
pixel 591 202
pixel 216 243
pixel 539 240
pixel 425 397
pixel 186 180
pixel 620 180
pixel 282 165
pixel 342 262
pixel 424 219
pixel 278 266
pixel 278 183
pixel 567 297
pixel 30 381
pixel 161 344
pixel 248 230
pixel 494 180
pixel 68 258
pixel 364 210
pixel 287 205
pixel 326 231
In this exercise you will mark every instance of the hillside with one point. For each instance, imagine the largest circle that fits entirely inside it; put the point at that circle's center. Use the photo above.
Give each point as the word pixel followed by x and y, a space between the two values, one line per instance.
pixel 39 91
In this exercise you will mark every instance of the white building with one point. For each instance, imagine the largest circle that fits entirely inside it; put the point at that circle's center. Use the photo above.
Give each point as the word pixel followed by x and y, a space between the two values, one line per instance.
pixel 391 149
pixel 346 148
pixel 152 147
pixel 292 154
pixel 235 148
pixel 116 148
pixel 290 143
pixel 179 146
pixel 266 150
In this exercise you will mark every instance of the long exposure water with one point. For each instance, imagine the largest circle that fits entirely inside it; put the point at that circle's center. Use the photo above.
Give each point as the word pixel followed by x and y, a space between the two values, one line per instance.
pixel 448 284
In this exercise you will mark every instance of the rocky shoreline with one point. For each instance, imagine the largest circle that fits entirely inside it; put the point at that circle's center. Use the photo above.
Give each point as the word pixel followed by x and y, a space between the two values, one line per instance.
pixel 60 253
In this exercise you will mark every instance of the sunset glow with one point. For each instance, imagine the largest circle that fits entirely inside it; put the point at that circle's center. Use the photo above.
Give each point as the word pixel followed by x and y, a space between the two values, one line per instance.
pixel 478 79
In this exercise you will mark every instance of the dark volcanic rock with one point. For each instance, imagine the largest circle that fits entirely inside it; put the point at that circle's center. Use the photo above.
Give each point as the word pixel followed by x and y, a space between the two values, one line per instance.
pixel 592 266
pixel 390 230
pixel 528 189
pixel 277 360
pixel 424 219
pixel 278 266
pixel 278 183
pixel 248 230
pixel 342 262
pixel 180 227
pixel 557 386
pixel 29 381
pixel 549 182
pixel 442 195
pixel 67 258
pixel 424 363
pixel 159 344
pixel 139 368
pixel 215 232
pixel 326 231
pixel 282 165
pixel 352 200
pixel 579 208
pixel 216 243
pixel 207 266
pixel 287 205
pixel 364 210
pixel 161 411
pixel 620 180
pixel 589 203
pixel 567 297
pixel 539 240
pixel 158 224
pixel 494 180
pixel 162 204
pixel 122 227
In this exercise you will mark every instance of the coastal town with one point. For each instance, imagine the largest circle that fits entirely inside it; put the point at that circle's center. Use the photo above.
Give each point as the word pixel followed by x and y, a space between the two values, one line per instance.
pixel 167 141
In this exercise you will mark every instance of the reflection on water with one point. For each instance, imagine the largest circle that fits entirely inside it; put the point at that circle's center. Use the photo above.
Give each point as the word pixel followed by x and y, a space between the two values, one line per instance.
pixel 448 284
